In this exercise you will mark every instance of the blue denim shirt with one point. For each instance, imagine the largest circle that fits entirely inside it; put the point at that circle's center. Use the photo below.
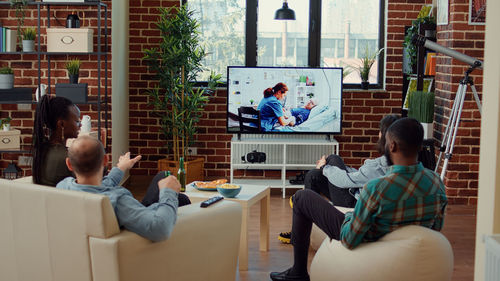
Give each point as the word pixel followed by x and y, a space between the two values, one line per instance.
pixel 154 222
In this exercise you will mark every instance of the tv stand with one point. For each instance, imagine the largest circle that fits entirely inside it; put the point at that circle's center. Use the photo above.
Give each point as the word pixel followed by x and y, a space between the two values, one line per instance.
pixel 282 153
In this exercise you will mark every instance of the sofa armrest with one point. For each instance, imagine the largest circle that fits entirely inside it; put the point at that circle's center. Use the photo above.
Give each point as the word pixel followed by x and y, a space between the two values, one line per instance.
pixel 203 246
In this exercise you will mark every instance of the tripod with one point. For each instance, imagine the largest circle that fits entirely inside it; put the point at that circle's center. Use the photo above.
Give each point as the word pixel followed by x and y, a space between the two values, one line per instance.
pixel 450 133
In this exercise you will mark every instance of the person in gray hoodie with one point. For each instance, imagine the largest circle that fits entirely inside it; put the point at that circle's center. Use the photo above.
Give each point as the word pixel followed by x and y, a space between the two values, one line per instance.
pixel 340 183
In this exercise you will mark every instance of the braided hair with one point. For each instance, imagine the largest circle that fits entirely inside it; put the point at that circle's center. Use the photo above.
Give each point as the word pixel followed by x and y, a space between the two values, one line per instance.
pixel 48 111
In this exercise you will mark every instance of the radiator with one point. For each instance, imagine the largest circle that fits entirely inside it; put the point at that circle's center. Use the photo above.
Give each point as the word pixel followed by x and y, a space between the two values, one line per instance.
pixel 492 244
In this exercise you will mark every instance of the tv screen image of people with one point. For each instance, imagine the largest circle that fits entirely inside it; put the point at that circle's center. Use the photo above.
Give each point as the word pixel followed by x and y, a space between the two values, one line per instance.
pixel 284 100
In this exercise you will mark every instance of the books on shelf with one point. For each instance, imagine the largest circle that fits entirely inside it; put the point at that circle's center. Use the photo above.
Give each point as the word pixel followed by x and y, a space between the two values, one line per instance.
pixel 8 38
pixel 430 64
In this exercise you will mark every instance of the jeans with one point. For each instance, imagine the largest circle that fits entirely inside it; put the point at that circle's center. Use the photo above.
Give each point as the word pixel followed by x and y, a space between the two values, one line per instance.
pixel 316 181
pixel 153 193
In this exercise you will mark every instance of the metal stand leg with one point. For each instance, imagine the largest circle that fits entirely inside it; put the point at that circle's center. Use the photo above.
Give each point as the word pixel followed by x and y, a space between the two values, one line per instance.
pixel 450 134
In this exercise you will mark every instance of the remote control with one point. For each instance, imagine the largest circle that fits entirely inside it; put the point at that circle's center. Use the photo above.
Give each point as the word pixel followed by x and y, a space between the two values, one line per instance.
pixel 210 201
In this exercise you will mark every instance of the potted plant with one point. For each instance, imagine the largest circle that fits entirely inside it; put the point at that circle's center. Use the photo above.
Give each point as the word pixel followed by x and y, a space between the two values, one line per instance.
pixel 6 78
pixel 5 123
pixel 73 67
pixel 410 48
pixel 421 107
pixel 29 35
pixel 368 58
pixel 20 6
pixel 176 61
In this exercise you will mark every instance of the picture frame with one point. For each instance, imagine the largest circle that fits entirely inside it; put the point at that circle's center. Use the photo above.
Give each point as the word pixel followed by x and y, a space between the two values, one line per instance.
pixel 442 12
pixel 412 86
pixel 477 12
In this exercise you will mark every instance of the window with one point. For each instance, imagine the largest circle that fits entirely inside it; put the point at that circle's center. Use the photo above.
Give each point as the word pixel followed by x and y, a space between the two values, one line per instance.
pixel 325 33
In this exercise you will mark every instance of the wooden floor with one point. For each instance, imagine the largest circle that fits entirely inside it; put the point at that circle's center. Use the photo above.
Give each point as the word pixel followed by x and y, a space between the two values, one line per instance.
pixel 460 226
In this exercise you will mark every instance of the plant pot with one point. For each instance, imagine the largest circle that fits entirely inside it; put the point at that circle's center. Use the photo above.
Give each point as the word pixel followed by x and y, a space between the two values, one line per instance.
pixel 73 78
pixel 6 127
pixel 28 45
pixel 364 85
pixel 194 168
pixel 428 130
pixel 6 81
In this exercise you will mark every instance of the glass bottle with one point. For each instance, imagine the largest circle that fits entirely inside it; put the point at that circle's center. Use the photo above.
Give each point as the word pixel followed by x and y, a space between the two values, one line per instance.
pixel 181 174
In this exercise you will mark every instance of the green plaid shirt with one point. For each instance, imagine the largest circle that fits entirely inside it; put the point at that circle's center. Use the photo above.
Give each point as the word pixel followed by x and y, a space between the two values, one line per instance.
pixel 405 195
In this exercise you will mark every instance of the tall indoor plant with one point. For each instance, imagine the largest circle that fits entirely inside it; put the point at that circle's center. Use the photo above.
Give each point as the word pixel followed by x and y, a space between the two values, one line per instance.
pixel 176 61
pixel 421 107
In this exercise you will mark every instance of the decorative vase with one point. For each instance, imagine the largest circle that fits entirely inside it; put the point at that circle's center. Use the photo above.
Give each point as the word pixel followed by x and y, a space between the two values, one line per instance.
pixel 428 130
pixel 28 45
pixel 364 85
pixel 194 168
pixel 73 78
pixel 6 81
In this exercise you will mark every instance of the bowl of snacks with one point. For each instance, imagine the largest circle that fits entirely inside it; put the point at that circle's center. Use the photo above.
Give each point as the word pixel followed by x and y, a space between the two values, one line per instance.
pixel 229 190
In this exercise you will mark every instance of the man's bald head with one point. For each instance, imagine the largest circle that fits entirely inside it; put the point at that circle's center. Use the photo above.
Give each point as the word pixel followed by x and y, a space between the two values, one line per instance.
pixel 86 156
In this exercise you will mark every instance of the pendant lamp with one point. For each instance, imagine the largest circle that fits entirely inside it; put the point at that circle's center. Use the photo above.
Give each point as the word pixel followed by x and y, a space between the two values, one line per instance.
pixel 284 13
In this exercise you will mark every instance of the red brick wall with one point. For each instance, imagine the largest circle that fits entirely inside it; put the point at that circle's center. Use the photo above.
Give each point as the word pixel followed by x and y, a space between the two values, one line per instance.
pixel 462 173
pixel 26 75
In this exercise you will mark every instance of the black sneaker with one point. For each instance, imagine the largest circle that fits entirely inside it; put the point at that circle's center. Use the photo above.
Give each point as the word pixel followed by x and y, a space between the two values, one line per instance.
pixel 286 276
pixel 285 237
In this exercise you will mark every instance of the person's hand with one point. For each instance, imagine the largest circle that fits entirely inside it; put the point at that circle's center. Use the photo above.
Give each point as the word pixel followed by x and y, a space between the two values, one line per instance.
pixel 125 163
pixel 321 162
pixel 170 182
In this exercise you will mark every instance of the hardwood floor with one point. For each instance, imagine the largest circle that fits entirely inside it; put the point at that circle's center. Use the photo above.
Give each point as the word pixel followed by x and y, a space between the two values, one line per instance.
pixel 459 228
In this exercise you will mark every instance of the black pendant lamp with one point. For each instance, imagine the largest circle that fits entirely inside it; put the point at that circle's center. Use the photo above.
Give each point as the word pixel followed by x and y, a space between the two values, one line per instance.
pixel 284 13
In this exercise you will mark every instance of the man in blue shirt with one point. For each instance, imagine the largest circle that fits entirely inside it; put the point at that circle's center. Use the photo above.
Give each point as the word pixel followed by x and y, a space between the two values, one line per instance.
pixel 155 222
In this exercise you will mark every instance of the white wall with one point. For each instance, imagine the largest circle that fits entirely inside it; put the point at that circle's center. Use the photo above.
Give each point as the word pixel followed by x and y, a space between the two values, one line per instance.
pixel 488 211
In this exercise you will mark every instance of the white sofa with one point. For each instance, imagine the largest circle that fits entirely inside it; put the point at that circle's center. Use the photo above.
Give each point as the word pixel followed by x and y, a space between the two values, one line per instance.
pixel 50 234
pixel 410 253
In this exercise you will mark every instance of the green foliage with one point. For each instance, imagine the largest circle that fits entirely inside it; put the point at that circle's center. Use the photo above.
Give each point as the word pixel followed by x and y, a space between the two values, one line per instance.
pixel 413 30
pixel 29 33
pixel 368 58
pixel 421 106
pixel 176 61
pixel 6 70
pixel 73 66
pixel 20 6
pixel 5 121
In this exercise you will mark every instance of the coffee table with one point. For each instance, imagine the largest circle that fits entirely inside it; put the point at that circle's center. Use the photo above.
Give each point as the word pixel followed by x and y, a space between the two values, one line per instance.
pixel 249 195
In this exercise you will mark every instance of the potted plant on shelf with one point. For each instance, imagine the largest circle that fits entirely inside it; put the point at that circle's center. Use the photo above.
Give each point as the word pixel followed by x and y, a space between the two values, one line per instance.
pixel 73 67
pixel 29 35
pixel 20 6
pixel 368 58
pixel 421 107
pixel 5 123
pixel 6 78
pixel 176 61
pixel 410 48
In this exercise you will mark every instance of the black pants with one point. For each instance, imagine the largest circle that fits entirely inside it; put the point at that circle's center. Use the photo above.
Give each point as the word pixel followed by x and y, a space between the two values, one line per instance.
pixel 309 207
pixel 316 181
pixel 153 193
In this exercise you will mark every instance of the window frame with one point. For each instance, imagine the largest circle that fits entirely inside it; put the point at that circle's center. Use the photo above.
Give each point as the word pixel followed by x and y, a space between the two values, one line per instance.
pixel 314 41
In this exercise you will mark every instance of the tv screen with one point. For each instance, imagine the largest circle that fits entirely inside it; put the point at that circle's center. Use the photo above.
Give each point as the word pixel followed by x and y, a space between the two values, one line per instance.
pixel 284 100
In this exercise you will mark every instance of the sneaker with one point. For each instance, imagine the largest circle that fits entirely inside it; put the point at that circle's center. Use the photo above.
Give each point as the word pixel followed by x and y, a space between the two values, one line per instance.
pixel 285 237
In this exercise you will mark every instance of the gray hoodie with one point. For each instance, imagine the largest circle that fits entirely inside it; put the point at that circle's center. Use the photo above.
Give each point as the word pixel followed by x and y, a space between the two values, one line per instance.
pixel 352 178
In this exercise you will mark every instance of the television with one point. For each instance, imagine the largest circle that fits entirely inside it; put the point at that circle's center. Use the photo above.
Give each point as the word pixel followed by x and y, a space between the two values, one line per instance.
pixel 312 104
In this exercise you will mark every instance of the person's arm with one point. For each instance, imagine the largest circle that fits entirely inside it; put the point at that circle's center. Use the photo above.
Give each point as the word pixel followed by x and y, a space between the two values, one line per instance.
pixel 372 168
pixel 439 220
pixel 154 222
pixel 357 223
pixel 116 174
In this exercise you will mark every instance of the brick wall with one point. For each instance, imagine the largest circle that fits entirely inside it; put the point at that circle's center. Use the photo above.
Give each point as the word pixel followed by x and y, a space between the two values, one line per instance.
pixel 463 170
pixel 26 75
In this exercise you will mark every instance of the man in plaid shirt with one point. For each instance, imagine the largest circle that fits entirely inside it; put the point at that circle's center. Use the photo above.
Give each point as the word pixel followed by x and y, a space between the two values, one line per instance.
pixel 408 194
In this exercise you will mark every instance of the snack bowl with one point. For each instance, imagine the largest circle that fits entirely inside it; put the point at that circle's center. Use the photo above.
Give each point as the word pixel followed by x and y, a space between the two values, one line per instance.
pixel 229 190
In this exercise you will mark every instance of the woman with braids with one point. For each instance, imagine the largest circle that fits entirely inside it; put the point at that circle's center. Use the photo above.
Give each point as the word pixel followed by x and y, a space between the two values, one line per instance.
pixel 272 113
pixel 56 120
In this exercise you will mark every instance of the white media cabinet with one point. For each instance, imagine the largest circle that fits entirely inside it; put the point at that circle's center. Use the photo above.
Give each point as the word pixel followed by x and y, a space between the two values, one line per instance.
pixel 282 153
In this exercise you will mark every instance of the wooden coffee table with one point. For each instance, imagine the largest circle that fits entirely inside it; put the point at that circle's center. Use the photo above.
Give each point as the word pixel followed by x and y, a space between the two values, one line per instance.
pixel 249 195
